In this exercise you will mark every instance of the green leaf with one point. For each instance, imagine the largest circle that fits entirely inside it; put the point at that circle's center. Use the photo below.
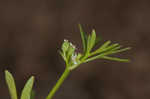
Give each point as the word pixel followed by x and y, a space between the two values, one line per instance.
pixel 11 85
pixel 92 40
pixel 88 44
pixel 108 50
pixel 102 48
pixel 92 58
pixel 116 48
pixel 115 59
pixel 121 50
pixel 105 45
pixel 106 57
pixel 26 93
pixel 83 37
pixel 70 52
pixel 116 51
pixel 111 47
pixel 65 46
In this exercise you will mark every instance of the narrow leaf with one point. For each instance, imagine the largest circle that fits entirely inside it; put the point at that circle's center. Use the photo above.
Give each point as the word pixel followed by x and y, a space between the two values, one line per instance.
pixel 115 59
pixel 105 44
pixel 65 46
pixel 116 48
pixel 110 48
pixel 88 44
pixel 70 52
pixel 83 37
pixel 92 40
pixel 115 51
pixel 106 57
pixel 93 58
pixel 26 93
pixel 121 50
pixel 102 48
pixel 11 85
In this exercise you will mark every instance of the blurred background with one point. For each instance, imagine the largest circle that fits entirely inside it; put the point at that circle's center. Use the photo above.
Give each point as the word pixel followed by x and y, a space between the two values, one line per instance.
pixel 32 31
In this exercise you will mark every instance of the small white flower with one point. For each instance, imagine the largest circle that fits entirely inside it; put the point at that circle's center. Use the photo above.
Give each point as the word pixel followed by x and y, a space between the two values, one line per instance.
pixel 65 40
pixel 72 45
pixel 74 58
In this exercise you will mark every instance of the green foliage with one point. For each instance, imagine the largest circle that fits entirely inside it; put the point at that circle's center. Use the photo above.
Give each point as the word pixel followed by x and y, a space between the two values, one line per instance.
pixel 83 37
pixel 26 93
pixel 89 41
pixel 11 85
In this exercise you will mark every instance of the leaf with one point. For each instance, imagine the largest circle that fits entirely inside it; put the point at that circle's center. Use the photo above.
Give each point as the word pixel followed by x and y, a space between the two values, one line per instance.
pixel 106 57
pixel 83 37
pixel 71 51
pixel 88 44
pixel 92 40
pixel 121 50
pixel 111 47
pixel 102 48
pixel 65 46
pixel 92 58
pixel 26 93
pixel 105 45
pixel 116 48
pixel 11 84
pixel 115 59
pixel 116 51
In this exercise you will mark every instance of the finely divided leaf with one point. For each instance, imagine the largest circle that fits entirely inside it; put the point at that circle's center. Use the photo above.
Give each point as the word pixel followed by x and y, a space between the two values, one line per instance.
pixel 93 58
pixel 102 48
pixel 107 57
pixel 83 37
pixel 121 50
pixel 116 51
pixel 105 44
pixel 111 47
pixel 115 59
pixel 11 85
pixel 26 93
pixel 116 48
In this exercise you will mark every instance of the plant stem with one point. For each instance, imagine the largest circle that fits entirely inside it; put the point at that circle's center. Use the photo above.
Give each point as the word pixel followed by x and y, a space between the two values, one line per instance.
pixel 58 84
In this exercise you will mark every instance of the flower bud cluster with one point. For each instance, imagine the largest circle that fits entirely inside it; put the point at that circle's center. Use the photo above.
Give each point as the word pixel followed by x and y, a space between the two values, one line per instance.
pixel 68 53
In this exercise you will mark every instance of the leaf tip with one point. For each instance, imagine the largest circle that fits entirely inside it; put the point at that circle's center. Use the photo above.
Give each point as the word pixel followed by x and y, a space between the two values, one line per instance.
pixel 33 78
pixel 94 31
pixel 7 73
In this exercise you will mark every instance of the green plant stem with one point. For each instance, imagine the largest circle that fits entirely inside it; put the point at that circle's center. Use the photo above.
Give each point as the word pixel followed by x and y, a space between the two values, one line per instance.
pixel 58 84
